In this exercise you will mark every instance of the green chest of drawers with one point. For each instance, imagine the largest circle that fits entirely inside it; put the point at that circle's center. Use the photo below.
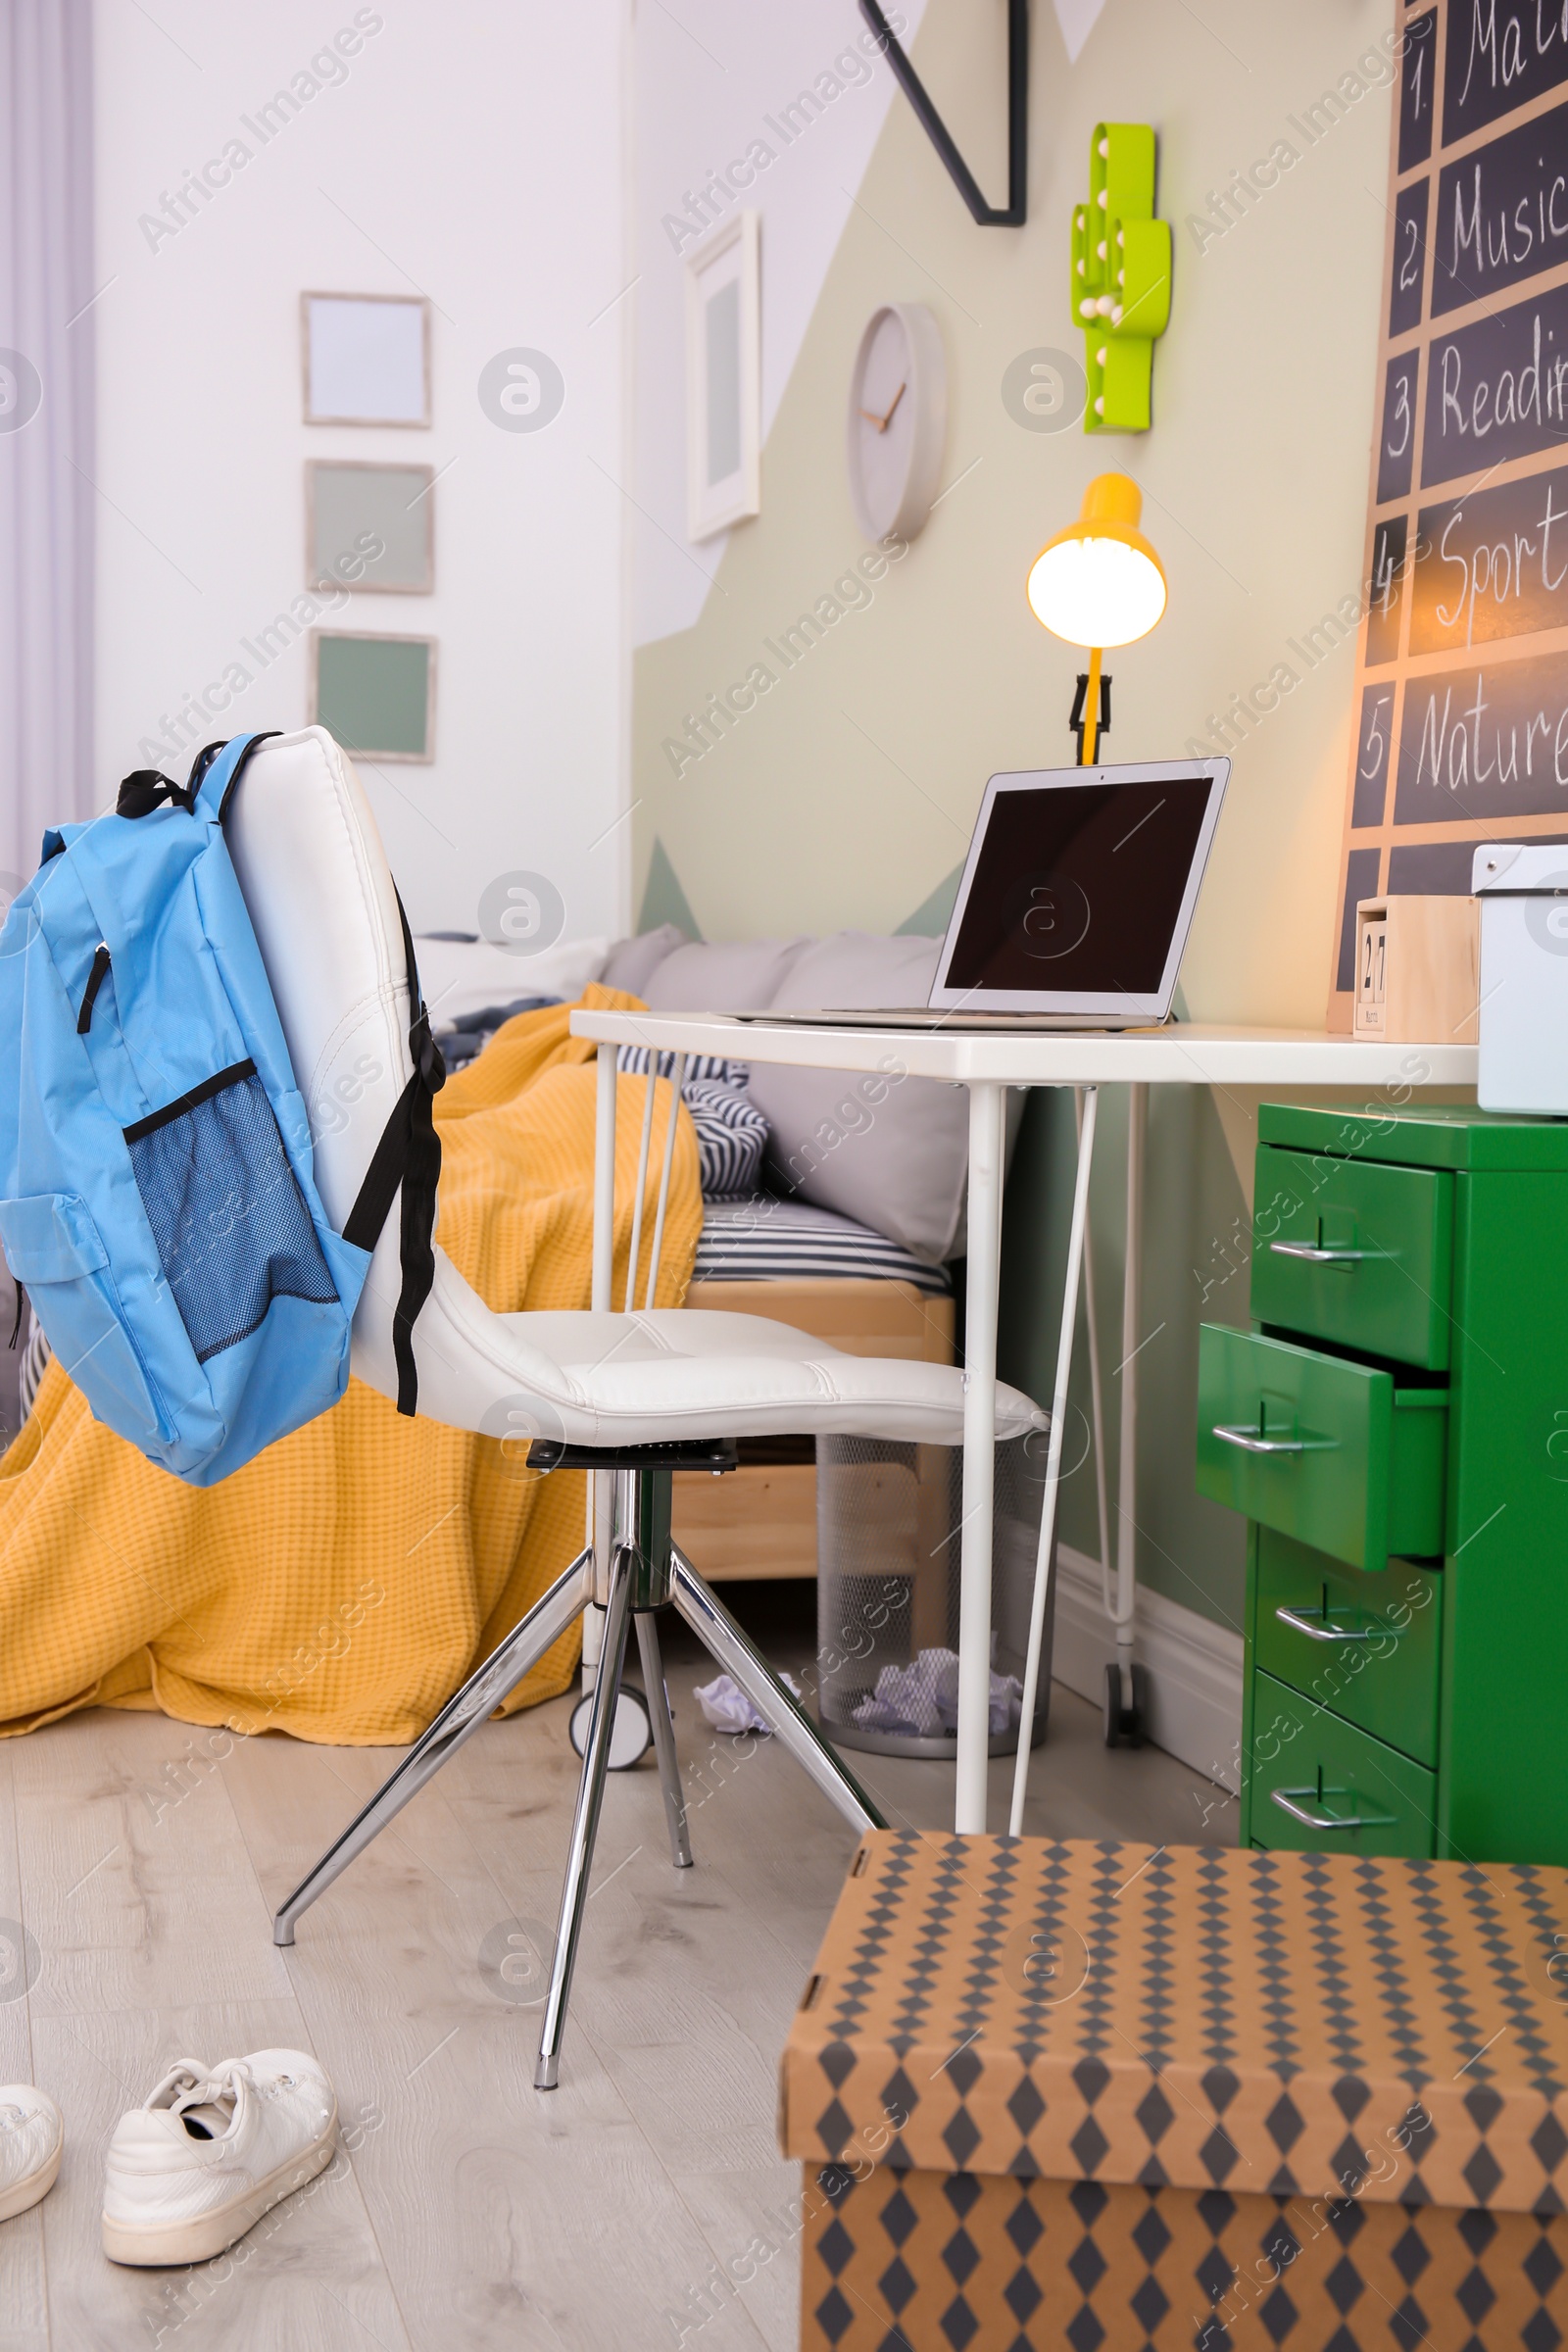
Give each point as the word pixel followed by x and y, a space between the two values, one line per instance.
pixel 1395 1427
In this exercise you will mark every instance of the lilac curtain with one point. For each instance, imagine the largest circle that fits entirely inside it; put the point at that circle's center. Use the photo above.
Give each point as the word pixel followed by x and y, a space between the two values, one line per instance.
pixel 46 426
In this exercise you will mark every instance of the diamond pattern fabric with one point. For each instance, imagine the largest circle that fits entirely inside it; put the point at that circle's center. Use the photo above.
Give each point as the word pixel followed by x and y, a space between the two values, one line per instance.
pixel 1126 2099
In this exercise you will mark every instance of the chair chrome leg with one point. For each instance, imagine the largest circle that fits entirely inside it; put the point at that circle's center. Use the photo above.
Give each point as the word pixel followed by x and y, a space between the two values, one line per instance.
pixel 456 1721
pixel 719 1634
pixel 585 1820
pixel 680 1844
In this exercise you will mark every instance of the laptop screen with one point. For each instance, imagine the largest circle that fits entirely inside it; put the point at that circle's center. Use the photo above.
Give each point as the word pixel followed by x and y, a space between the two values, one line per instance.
pixel 1079 887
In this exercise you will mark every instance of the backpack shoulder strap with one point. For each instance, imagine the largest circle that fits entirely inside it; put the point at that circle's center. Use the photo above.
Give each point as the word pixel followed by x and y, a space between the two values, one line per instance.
pixel 214 772
pixel 409 1154
pixel 217 768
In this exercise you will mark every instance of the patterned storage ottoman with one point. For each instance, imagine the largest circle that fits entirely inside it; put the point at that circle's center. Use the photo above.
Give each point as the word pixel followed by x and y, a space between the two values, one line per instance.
pixel 1075 2095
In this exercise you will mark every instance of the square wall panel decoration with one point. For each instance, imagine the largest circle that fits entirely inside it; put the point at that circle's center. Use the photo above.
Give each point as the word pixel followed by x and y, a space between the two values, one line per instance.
pixel 376 695
pixel 366 359
pixel 370 527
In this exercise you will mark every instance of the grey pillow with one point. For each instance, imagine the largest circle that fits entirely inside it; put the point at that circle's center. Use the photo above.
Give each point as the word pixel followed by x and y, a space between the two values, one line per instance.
pixel 858 972
pixel 631 963
pixel 735 976
pixel 887 1149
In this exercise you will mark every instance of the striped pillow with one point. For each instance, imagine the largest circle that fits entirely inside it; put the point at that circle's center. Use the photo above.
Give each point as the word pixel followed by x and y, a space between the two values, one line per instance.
pixel 769 1239
pixel 732 1136
pixel 634 1058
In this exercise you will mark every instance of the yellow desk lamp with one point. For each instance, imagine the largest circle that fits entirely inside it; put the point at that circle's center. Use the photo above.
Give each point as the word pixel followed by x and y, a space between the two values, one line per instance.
pixel 1099 583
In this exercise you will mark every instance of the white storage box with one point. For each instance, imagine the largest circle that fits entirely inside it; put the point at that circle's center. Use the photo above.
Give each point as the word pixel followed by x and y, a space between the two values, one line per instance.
pixel 1523 889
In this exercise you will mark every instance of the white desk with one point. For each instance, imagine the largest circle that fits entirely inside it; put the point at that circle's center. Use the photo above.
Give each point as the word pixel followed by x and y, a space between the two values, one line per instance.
pixel 988 1063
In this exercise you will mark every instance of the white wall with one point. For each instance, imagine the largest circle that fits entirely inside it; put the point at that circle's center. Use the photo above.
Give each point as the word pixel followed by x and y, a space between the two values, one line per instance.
pixel 707 87
pixel 472 152
pixel 710 87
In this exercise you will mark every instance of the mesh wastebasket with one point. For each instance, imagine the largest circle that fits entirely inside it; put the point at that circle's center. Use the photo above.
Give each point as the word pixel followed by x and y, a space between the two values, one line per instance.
pixel 888 1520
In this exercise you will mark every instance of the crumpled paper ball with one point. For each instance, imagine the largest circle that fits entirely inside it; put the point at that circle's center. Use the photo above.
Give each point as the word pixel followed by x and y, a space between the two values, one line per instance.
pixel 726 1707
pixel 922 1700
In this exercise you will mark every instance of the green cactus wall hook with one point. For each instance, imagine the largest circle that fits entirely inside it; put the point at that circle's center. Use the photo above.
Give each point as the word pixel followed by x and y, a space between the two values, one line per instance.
pixel 1121 258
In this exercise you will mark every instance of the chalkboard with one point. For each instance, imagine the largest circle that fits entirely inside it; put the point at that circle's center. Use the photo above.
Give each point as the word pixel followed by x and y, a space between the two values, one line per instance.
pixel 1417 80
pixel 1387 583
pixel 1409 259
pixel 1396 453
pixel 1494 564
pixel 1496 389
pixel 1460 700
pixel 1485 742
pixel 1360 882
pixel 1375 735
pixel 1441 869
pixel 1500 53
pixel 1502 212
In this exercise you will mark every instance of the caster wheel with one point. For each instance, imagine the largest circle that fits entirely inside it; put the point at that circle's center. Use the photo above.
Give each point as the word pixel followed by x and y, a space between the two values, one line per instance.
pixel 1124 1725
pixel 1134 1717
pixel 1113 1706
pixel 631 1735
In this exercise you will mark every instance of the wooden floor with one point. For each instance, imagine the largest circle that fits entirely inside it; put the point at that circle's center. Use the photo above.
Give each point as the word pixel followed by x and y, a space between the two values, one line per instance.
pixel 467 2210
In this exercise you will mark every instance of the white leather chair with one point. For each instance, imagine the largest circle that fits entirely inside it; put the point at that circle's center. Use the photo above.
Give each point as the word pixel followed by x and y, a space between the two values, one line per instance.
pixel 639 1395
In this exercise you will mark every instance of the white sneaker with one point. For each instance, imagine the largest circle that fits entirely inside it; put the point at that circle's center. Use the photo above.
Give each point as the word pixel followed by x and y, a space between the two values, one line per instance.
pixel 32 2138
pixel 214 2149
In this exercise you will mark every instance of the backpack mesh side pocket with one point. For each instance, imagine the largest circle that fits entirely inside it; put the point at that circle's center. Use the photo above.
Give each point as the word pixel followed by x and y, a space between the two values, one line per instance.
pixel 228 1214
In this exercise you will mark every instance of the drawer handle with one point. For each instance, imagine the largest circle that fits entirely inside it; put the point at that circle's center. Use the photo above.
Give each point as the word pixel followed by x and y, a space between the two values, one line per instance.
pixel 1253 1440
pixel 1323 1629
pixel 1324 1257
pixel 1286 1798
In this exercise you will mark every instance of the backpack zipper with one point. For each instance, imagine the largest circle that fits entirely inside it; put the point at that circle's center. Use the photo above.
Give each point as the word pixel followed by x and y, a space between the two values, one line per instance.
pixel 95 981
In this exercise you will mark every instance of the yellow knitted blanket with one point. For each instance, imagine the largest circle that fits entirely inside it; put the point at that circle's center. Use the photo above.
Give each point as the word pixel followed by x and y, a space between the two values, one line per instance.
pixel 344 1583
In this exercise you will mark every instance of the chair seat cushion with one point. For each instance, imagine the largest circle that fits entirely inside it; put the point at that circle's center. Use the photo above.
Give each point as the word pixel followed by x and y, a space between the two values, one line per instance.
pixel 637 1379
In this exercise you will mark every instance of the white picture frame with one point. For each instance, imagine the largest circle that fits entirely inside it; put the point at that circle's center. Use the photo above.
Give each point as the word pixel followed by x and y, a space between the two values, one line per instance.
pixel 724 378
pixel 365 358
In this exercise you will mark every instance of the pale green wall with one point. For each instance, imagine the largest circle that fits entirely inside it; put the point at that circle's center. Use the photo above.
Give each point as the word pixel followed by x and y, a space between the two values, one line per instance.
pixel 1197 1218
pixel 846 797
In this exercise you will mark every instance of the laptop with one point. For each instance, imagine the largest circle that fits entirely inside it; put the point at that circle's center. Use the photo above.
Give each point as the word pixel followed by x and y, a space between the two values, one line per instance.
pixel 1076 901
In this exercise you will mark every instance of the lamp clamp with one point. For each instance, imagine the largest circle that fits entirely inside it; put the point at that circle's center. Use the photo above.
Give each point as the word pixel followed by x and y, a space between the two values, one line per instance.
pixel 1076 720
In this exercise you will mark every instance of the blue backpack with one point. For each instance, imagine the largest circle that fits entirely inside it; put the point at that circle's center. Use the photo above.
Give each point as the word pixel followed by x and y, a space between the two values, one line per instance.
pixel 159 1207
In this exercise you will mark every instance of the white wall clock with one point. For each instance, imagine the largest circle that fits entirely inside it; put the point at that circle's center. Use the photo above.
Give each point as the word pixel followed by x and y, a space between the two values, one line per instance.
pixel 897 420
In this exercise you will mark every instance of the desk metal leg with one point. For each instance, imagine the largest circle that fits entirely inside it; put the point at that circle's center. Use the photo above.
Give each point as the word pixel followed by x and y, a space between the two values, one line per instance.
pixel 1044 1558
pixel 987 1130
pixel 1124 1616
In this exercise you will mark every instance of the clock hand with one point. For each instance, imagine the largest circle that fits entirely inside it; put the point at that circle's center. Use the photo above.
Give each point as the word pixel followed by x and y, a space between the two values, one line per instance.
pixel 882 423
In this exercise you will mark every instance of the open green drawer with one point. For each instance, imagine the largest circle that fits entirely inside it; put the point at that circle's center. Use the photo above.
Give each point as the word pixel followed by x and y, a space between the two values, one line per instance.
pixel 1362 1642
pixel 1321 1448
pixel 1319 1785
pixel 1355 1251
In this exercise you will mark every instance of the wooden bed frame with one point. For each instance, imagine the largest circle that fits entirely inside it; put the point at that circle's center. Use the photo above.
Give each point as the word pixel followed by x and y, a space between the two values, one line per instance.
pixel 761 1520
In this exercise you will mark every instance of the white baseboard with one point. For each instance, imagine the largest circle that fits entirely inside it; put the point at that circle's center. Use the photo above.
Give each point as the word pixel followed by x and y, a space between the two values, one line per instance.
pixel 1195 1667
